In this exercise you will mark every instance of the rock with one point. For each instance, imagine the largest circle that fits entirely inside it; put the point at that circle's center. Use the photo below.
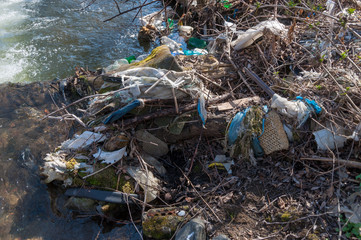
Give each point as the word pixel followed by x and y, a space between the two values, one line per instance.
pixel 161 223
pixel 147 33
pixel 192 230
pixel 160 57
pixel 116 143
pixel 81 204
pixel 221 237
pixel 154 163
pixel 150 144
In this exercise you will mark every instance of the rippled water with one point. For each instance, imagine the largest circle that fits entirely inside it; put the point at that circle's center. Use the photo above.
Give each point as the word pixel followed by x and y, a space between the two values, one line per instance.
pixel 41 40
pixel 45 39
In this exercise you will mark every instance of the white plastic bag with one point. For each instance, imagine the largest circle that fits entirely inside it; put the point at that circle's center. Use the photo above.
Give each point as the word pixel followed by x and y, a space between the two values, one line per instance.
pixel 293 109
pixel 248 37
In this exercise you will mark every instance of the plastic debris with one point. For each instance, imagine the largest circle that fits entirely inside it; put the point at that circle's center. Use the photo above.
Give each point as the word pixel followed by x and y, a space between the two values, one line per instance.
pixel 185 31
pixel 196 43
pixel 110 157
pixel 312 103
pixel 301 108
pixel 147 181
pixel 292 109
pixel 116 65
pixel 130 59
pixel 106 196
pixel 202 109
pixel 326 140
pixel 147 82
pixel 222 162
pixel 54 167
pixel 236 126
pixel 274 137
pixel 196 51
pixel 246 39
pixel 83 141
pixel 124 110
pixel 173 45
pixel 195 229
pixel 157 18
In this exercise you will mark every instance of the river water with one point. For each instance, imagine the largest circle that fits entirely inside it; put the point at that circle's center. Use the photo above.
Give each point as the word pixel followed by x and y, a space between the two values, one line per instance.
pixel 45 39
pixel 42 40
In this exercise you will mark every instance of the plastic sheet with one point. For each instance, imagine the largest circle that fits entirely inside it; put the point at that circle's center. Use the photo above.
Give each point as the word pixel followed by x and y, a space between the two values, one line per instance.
pixel 202 109
pixel 292 109
pixel 245 39
pixel 110 157
pixel 326 140
pixel 83 141
pixel 236 126
pixel 121 112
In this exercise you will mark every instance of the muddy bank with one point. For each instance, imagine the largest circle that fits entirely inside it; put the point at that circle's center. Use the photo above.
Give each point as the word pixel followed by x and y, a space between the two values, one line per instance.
pixel 28 208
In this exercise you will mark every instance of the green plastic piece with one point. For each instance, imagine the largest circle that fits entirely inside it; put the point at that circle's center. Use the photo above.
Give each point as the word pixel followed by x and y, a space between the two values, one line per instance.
pixel 170 23
pixel 226 4
pixel 130 59
pixel 196 43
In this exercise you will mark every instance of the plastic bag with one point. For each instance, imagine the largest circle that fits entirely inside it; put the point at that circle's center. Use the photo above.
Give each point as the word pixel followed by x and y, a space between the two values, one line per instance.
pixel 245 39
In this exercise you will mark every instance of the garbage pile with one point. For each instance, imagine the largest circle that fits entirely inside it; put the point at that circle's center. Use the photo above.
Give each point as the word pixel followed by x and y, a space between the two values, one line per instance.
pixel 258 89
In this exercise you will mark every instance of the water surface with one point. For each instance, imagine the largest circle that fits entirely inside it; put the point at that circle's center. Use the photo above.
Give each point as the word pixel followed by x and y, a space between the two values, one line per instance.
pixel 45 39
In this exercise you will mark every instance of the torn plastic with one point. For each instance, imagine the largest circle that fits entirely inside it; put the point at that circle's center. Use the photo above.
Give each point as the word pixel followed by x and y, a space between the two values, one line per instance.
pixel 326 140
pixel 116 65
pixel 173 45
pixel 110 157
pixel 83 141
pixel 151 83
pixel 124 110
pixel 100 195
pixel 292 109
pixel 235 126
pixel 157 18
pixel 218 45
pixel 248 37
pixel 147 181
pixel 185 31
pixel 222 162
pixel 54 167
pixel 202 109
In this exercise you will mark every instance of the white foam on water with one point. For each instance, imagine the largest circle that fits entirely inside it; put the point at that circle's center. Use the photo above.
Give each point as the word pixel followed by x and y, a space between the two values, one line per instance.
pixel 11 14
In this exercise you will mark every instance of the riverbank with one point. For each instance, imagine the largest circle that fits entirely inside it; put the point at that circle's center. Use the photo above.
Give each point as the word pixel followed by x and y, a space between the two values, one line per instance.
pixel 194 140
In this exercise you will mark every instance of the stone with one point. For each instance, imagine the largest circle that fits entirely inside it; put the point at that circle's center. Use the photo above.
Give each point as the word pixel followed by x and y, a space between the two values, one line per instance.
pixel 116 143
pixel 81 204
pixel 161 223
pixel 151 144
pixel 147 33
pixel 221 237
pixel 154 163
pixel 192 230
